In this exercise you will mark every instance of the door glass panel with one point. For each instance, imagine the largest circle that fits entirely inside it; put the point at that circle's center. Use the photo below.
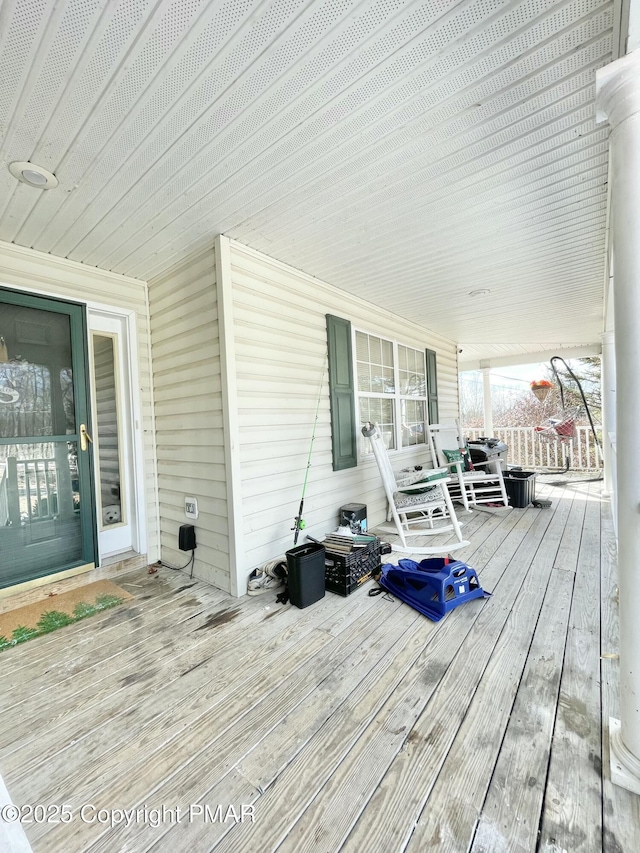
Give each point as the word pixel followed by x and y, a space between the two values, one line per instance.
pixel 36 376
pixel 39 508
pixel 107 430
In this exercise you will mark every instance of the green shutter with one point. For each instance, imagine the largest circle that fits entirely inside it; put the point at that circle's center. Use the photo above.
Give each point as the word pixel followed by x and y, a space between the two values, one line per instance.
pixel 432 387
pixel 341 393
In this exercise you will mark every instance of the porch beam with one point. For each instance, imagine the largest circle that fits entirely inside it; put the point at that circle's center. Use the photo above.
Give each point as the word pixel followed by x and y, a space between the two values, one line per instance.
pixel 618 101
pixel 579 351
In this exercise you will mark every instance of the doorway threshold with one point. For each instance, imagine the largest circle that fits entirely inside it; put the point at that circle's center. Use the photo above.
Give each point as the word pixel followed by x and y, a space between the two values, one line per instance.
pixel 124 560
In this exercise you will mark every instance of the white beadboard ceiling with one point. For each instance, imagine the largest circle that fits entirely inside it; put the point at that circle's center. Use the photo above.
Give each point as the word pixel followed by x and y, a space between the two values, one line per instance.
pixel 407 152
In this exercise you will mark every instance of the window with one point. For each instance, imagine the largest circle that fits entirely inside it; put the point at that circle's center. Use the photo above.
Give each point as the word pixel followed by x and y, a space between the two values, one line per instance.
pixel 391 389
pixel 375 379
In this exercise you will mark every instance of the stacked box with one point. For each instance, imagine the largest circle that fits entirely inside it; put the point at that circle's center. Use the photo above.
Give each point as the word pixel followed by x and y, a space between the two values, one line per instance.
pixel 345 572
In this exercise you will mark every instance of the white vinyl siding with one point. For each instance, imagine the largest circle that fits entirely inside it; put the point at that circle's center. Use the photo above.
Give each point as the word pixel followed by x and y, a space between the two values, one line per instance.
pixel 188 407
pixel 39 273
pixel 281 366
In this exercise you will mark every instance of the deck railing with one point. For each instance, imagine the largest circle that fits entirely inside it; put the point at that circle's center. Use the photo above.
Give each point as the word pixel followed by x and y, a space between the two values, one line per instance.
pixel 28 490
pixel 528 450
pixel 37 484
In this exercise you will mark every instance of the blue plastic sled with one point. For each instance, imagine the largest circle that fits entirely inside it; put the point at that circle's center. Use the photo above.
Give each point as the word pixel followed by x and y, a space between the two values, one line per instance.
pixel 434 586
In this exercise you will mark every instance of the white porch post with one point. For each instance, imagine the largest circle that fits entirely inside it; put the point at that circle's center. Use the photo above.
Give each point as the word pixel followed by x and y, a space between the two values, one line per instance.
pixel 488 410
pixel 618 100
pixel 608 380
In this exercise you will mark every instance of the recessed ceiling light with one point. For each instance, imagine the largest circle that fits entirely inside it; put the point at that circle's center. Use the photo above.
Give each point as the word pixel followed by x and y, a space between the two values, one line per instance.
pixel 482 292
pixel 33 175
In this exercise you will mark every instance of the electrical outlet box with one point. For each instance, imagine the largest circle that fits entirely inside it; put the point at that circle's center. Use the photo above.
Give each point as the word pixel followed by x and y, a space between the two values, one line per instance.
pixel 187 537
pixel 191 508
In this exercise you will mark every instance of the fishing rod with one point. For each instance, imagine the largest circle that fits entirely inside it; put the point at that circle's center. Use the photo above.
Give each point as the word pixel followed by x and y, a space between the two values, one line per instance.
pixel 300 523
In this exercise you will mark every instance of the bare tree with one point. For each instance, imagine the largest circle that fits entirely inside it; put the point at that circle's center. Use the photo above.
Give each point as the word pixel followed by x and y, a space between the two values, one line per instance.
pixel 512 407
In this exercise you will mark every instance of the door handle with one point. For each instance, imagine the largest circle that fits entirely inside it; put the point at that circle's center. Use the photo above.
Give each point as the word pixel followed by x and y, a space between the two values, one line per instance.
pixel 84 437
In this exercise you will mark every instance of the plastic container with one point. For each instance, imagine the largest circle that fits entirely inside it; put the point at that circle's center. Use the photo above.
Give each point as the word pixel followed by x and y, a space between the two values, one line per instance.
pixel 354 516
pixel 434 586
pixel 305 565
pixel 345 572
pixel 521 487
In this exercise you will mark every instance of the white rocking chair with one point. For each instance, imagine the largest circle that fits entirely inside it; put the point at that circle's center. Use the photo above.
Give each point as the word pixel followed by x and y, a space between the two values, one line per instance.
pixel 472 488
pixel 414 510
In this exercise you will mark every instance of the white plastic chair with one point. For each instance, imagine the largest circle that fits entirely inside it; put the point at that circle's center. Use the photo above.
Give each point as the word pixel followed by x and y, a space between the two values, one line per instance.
pixel 414 511
pixel 484 485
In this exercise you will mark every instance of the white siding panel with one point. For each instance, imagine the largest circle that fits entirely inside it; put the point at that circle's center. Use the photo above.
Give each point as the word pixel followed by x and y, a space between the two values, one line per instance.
pixel 189 431
pixel 281 358
pixel 40 273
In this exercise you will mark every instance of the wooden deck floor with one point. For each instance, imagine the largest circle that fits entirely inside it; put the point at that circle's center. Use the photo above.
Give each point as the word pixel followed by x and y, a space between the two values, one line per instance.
pixel 354 725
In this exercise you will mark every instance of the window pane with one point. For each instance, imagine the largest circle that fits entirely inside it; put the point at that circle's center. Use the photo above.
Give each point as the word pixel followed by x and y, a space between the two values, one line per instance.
pixel 377 380
pixel 36 384
pixel 362 347
pixel 413 431
pixel 375 350
pixel 374 364
pixel 413 378
pixel 364 377
pixel 379 411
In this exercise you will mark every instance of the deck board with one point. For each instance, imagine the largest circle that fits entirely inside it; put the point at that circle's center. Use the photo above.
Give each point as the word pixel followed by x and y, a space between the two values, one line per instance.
pixel 572 815
pixel 355 724
pixel 302 779
pixel 140 748
pixel 510 815
pixel 395 808
pixel 514 755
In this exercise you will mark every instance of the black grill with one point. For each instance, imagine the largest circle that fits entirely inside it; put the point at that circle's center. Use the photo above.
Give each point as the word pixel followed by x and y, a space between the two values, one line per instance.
pixel 487 450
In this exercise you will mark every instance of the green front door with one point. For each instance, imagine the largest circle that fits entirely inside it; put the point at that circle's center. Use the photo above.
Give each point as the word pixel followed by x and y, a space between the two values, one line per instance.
pixel 47 518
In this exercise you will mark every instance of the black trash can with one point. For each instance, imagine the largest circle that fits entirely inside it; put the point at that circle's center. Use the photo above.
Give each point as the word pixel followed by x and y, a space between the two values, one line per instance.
pixel 521 487
pixel 305 565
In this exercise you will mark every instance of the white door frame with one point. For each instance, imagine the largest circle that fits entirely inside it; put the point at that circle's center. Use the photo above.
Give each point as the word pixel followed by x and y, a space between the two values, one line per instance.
pixel 123 324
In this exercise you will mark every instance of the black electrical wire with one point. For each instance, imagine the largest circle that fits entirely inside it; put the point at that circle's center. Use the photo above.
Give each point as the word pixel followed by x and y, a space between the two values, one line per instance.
pixel 191 563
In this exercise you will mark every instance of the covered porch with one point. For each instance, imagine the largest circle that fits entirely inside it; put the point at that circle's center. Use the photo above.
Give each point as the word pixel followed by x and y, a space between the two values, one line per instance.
pixel 354 724
pixel 226 186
